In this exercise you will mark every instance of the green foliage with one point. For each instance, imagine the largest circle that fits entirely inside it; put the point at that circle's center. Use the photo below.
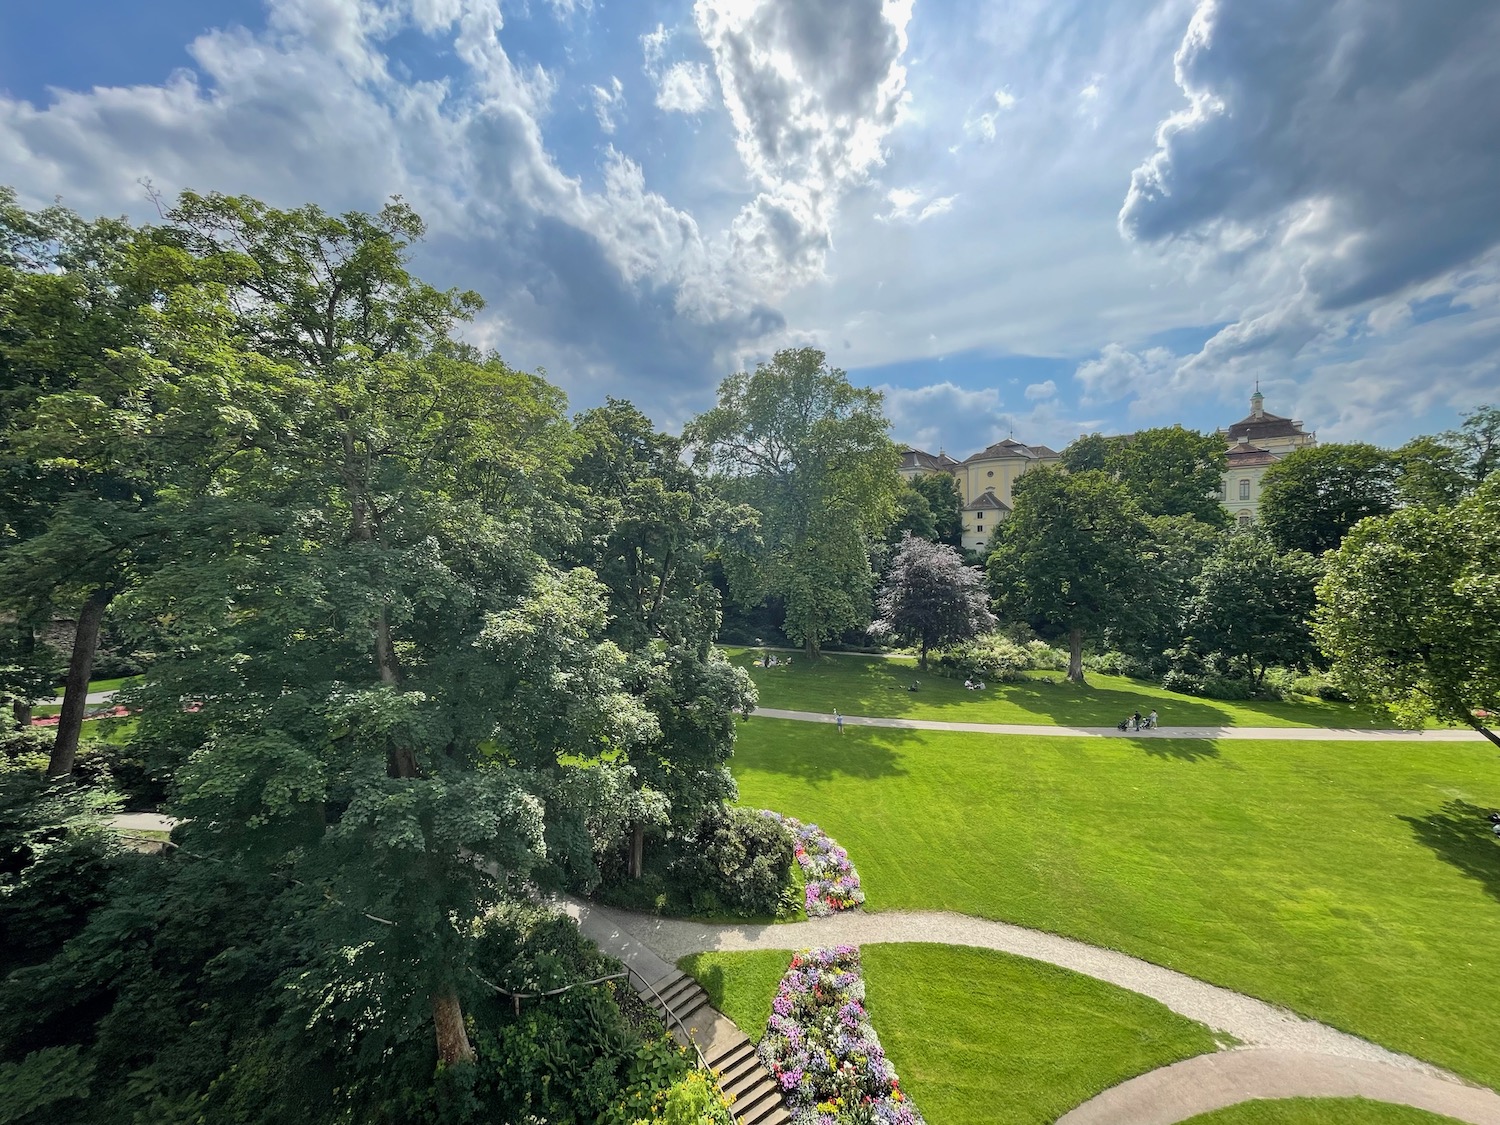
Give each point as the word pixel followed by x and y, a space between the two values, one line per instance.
pixel 1429 473
pixel 1313 496
pixel 735 859
pixel 1252 603
pixel 1071 560
pixel 946 503
pixel 808 451
pixel 1477 443
pixel 1171 471
pixel 1409 611
pixel 999 659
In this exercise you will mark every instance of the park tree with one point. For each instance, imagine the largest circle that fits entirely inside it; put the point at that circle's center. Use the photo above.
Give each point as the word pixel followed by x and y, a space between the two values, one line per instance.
pixel 1477 442
pixel 1176 549
pixel 1313 496
pixel 914 516
pixel 1430 472
pixel 946 503
pixel 1089 453
pixel 1171 471
pixel 1071 560
pixel 809 451
pixel 649 526
pixel 1254 603
pixel 1409 612
pixel 930 598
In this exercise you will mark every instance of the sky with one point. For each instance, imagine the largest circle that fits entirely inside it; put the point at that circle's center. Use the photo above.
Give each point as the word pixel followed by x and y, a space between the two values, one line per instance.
pixel 1028 217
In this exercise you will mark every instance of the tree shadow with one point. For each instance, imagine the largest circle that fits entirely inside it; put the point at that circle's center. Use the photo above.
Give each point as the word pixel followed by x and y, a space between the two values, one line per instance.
pixel 817 752
pixel 1182 749
pixel 1460 834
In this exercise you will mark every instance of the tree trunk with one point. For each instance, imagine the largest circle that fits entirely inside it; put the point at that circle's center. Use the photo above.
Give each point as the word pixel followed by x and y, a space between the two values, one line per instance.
pixel 385 650
pixel 1075 655
pixel 1481 728
pixel 811 649
pixel 452 1037
pixel 22 713
pixel 75 695
pixel 922 663
pixel 637 850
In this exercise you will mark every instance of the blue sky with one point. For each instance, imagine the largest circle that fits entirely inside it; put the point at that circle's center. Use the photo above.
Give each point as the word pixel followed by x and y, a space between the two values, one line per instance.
pixel 1039 217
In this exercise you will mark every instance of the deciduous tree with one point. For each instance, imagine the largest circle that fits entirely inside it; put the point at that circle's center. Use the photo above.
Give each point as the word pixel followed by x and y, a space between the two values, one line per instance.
pixel 931 598
pixel 1313 496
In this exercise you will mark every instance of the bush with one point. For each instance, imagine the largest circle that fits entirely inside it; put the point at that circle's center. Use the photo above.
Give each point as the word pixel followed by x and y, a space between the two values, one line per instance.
pixel 1045 658
pixel 1114 663
pixel 734 859
pixel 1320 686
pixel 1209 685
pixel 994 657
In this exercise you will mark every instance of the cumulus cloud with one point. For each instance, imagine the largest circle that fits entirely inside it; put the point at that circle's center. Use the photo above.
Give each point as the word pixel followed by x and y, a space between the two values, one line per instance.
pixel 587 282
pixel 1035 391
pixel 812 91
pixel 1118 372
pixel 684 87
pixel 944 416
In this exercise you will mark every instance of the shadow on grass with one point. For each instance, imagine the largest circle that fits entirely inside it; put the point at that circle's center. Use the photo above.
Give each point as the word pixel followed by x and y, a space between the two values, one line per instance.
pixel 1460 834
pixel 817 752
pixel 712 980
pixel 1182 749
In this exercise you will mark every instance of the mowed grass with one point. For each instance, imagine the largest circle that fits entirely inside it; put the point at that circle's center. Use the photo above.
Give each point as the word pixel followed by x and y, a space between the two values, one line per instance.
pixel 979 1037
pixel 1320 1111
pixel 860 685
pixel 1357 883
pixel 741 985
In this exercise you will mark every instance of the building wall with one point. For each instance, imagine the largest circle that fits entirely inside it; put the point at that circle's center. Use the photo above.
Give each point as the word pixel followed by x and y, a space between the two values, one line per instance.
pixel 1231 496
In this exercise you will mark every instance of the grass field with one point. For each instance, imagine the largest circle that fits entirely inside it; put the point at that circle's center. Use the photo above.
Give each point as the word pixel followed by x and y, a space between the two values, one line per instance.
pixel 859 685
pixel 1319 1111
pixel 978 1036
pixel 1356 883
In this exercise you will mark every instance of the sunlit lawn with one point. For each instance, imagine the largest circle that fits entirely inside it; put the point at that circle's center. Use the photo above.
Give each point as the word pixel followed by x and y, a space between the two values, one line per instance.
pixel 858 685
pixel 1357 883
pixel 1319 1111
pixel 978 1036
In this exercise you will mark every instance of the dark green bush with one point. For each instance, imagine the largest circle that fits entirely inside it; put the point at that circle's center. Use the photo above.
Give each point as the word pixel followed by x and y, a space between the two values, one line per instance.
pixel 735 859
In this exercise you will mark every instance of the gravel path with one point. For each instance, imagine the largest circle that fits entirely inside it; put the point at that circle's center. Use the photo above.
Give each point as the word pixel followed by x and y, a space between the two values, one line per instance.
pixel 1298 734
pixel 1253 1022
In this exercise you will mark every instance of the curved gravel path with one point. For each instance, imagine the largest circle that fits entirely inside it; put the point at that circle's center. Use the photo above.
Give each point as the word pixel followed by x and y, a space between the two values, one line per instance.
pixel 1298 734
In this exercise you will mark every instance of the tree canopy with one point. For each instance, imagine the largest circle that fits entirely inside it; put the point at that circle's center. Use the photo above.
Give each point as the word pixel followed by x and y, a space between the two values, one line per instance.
pixel 808 451
pixel 1313 496
pixel 931 598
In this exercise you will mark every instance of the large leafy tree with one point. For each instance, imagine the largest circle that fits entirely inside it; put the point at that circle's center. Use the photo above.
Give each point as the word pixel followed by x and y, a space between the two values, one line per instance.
pixel 402 702
pixel 1430 472
pixel 648 527
pixel 809 451
pixel 946 504
pixel 1409 612
pixel 1176 549
pixel 931 598
pixel 1313 496
pixel 1477 443
pixel 1072 560
pixel 1172 471
pixel 1253 602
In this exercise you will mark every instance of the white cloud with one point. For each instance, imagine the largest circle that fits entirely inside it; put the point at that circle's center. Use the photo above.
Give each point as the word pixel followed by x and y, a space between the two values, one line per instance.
pixel 944 416
pixel 684 88
pixel 1118 373
pixel 904 207
pixel 812 91
pixel 983 126
pixel 606 101
pixel 1035 391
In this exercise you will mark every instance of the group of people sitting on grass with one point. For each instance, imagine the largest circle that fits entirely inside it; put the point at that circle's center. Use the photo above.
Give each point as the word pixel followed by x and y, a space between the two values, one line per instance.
pixel 767 660
pixel 974 685
pixel 1135 722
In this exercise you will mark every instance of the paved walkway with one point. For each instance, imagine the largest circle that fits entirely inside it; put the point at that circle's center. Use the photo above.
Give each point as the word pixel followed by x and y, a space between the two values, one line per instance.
pixel 1296 734
pixel 1183 1090
pixel 91 697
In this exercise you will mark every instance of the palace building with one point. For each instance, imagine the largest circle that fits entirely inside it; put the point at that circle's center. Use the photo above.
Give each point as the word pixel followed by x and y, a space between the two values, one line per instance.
pixel 986 479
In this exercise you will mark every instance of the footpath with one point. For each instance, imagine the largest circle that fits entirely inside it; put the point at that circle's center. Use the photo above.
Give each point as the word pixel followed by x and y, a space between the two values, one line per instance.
pixel 1290 734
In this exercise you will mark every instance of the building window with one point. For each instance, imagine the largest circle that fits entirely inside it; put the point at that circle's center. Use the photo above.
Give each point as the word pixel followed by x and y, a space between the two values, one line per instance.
pixel 979 516
pixel 1244 490
pixel 1244 519
pixel 979 527
pixel 990 473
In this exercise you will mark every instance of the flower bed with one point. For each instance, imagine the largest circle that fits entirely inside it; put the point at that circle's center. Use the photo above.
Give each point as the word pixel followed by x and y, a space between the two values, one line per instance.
pixel 821 1049
pixel 832 882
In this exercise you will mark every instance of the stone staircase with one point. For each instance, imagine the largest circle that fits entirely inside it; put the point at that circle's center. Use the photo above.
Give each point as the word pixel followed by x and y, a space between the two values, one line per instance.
pixel 684 1006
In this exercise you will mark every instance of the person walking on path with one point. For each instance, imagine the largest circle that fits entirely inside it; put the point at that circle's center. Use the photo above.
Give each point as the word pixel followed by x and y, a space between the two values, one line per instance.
pixel 838 720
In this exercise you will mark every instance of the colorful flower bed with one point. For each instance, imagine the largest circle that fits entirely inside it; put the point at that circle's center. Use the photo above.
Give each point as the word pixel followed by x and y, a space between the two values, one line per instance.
pixel 820 1047
pixel 832 882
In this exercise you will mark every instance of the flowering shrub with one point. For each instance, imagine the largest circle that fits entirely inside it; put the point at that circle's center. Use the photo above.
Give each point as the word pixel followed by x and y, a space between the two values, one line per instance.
pixel 822 1051
pixel 832 882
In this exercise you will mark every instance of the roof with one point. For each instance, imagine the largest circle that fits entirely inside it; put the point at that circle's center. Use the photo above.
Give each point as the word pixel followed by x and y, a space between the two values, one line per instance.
pixel 987 499
pixel 1243 455
pixel 920 459
pixel 1263 426
pixel 1010 448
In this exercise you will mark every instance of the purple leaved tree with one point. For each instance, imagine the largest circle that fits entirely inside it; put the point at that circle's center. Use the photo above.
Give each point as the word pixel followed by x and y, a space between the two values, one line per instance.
pixel 931 598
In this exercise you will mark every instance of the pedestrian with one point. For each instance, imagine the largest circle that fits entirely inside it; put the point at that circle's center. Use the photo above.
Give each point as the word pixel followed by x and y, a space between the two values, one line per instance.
pixel 838 720
pixel 1151 719
pixel 1135 721
pixel 765 660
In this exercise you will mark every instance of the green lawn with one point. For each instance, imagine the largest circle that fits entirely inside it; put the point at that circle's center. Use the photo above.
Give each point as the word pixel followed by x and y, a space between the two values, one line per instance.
pixel 978 1036
pixel 859 685
pixel 1356 883
pixel 1320 1111
pixel 741 985
pixel 103 685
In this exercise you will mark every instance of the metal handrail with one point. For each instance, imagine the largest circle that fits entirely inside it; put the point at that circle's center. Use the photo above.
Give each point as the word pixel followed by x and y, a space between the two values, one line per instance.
pixel 675 1018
